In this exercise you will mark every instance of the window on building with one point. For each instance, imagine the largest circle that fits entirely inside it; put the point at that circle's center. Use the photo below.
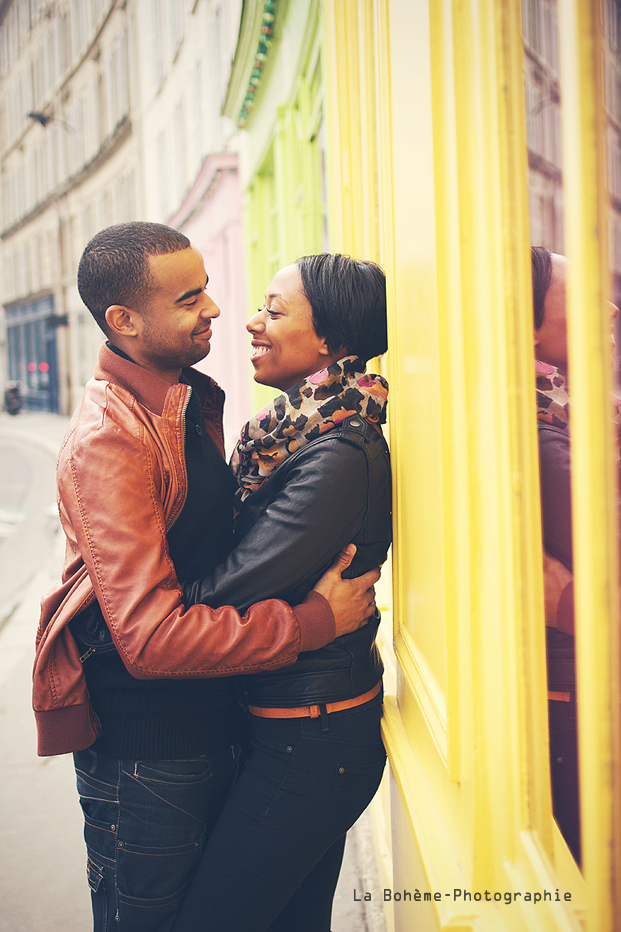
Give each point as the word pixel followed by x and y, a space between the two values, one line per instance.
pixel 196 117
pixel 163 175
pixel 4 51
pixel 614 167
pixel 107 209
pixel 175 11
pixel 613 24
pixel 89 222
pixel 118 82
pixel 77 28
pixel 178 155
pixel 124 198
pixel 101 108
pixel 157 52
pixel 64 42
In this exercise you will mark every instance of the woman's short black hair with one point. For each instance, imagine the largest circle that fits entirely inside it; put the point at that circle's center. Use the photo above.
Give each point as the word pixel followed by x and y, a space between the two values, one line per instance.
pixel 348 299
pixel 114 268
pixel 541 262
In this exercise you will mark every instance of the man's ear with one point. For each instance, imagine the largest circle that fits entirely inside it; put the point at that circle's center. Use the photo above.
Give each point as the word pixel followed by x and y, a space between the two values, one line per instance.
pixel 122 320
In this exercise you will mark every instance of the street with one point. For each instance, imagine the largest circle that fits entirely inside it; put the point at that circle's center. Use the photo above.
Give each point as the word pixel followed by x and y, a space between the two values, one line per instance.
pixel 42 861
pixel 42 865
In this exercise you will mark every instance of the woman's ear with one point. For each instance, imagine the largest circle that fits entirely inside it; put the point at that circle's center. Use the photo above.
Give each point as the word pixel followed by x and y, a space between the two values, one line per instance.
pixel 121 320
pixel 325 351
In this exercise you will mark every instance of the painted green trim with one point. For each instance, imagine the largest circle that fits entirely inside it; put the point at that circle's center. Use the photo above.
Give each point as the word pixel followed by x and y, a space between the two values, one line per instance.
pixel 255 39
pixel 284 201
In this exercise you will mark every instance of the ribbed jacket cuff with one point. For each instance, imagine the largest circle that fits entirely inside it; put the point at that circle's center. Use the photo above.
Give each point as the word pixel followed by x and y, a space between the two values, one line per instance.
pixel 316 621
pixel 565 610
pixel 62 731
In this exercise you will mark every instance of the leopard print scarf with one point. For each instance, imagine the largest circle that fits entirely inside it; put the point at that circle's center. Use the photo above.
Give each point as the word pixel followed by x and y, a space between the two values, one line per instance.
pixel 309 409
pixel 553 400
pixel 552 396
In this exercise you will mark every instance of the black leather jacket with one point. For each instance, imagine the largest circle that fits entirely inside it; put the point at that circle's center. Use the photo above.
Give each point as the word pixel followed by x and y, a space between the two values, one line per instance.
pixel 333 491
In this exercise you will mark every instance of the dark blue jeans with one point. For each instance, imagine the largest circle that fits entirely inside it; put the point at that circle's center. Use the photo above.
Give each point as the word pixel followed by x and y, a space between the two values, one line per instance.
pixel 563 717
pixel 273 859
pixel 145 826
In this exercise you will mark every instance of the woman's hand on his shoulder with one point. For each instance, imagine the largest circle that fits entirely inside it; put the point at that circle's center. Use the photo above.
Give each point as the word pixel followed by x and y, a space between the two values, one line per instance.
pixel 352 600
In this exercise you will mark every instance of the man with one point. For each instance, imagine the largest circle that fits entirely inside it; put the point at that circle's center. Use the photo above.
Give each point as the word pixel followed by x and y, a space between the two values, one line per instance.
pixel 138 687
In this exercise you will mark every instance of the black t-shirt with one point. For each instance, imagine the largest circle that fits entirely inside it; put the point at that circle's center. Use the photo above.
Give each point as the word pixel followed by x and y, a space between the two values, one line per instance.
pixel 174 719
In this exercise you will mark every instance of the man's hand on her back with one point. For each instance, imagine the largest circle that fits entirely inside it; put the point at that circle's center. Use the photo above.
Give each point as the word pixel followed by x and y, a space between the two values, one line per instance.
pixel 352 600
pixel 556 579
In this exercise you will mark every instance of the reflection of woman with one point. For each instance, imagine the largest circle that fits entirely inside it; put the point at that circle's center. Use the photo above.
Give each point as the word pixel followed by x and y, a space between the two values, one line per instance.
pixel 314 474
pixel 553 413
pixel 553 432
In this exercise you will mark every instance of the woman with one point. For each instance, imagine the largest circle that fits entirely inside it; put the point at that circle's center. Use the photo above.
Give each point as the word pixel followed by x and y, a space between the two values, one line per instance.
pixel 553 415
pixel 314 474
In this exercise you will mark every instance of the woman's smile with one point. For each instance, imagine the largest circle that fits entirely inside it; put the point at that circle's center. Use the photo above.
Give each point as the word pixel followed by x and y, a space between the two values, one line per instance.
pixel 285 345
pixel 258 349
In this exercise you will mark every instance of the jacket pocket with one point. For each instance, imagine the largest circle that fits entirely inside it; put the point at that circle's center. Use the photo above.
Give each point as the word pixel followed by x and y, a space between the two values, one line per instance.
pixel 91 632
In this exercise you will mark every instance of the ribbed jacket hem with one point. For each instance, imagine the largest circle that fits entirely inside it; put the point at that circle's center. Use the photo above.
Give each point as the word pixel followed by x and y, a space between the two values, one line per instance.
pixel 63 731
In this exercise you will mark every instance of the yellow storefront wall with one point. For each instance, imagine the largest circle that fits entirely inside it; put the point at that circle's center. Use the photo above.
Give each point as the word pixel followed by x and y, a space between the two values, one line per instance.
pixel 401 123
pixel 428 174
pixel 596 557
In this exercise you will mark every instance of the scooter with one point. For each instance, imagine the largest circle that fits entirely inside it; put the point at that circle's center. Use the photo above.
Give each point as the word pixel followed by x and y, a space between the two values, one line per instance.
pixel 13 397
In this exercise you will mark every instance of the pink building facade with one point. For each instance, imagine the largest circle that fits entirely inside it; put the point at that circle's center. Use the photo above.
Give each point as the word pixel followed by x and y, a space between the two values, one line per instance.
pixel 211 216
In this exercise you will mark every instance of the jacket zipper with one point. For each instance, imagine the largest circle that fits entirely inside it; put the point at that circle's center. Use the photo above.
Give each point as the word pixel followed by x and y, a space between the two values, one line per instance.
pixel 184 426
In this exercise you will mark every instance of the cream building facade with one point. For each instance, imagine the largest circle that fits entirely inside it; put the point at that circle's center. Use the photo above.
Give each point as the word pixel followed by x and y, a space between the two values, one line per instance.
pixel 68 158
pixel 110 112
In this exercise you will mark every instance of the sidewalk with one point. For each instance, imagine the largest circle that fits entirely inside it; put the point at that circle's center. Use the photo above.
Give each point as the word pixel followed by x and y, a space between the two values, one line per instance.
pixel 42 861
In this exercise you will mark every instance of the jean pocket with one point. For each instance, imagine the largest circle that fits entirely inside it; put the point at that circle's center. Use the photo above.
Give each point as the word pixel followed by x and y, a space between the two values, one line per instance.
pixel 152 882
pixel 97 882
pixel 173 771
pixel 94 874
pixel 100 807
pixel 355 785
pixel 275 735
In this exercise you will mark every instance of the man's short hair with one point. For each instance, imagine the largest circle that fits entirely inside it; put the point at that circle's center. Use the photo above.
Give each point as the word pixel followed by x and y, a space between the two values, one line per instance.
pixel 114 268
pixel 541 263
pixel 348 300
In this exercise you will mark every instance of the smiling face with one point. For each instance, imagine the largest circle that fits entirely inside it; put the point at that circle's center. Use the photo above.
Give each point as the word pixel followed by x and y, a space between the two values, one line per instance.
pixel 285 346
pixel 551 337
pixel 173 327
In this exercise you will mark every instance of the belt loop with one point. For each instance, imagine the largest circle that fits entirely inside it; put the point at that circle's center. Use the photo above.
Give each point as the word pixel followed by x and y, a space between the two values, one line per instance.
pixel 242 692
pixel 94 764
pixel 325 724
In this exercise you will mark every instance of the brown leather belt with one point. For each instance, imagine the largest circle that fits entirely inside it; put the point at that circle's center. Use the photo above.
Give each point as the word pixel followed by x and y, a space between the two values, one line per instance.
pixel 559 696
pixel 314 711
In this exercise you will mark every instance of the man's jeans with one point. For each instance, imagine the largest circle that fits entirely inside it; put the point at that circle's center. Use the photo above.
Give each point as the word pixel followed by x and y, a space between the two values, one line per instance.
pixel 145 826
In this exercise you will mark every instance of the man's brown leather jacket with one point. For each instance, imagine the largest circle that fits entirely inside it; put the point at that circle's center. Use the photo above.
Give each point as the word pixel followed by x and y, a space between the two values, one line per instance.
pixel 121 486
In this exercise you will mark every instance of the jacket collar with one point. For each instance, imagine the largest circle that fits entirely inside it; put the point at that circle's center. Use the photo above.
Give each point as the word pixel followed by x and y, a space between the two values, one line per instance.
pixel 151 390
